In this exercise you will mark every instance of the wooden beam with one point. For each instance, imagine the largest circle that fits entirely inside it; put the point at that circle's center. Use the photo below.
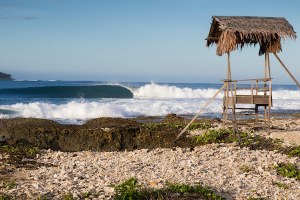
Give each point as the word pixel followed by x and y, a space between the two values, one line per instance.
pixel 269 65
pixel 286 69
pixel 228 67
pixel 266 65
pixel 201 110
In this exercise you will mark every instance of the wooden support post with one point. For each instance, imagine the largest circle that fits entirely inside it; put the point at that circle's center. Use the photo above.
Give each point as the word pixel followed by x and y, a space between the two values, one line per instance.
pixel 225 107
pixel 286 69
pixel 225 114
pixel 266 60
pixel 235 128
pixel 252 91
pixel 228 67
pixel 269 67
pixel 256 114
pixel 269 106
pixel 270 92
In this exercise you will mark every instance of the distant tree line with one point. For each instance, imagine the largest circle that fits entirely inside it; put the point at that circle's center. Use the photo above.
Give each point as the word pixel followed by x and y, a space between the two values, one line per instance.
pixel 4 76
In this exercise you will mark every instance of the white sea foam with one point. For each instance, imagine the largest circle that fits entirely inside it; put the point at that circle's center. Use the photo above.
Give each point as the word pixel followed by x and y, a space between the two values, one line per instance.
pixel 156 91
pixel 165 91
pixel 116 108
pixel 83 110
pixel 149 100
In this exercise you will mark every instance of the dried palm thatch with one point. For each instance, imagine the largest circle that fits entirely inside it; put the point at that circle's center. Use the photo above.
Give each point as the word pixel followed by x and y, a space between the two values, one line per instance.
pixel 233 32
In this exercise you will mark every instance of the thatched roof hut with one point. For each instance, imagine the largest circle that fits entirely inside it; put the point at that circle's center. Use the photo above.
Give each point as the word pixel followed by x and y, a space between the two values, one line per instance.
pixel 233 32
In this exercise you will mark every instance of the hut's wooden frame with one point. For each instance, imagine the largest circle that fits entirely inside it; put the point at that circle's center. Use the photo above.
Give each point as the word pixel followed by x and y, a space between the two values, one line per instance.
pixel 234 32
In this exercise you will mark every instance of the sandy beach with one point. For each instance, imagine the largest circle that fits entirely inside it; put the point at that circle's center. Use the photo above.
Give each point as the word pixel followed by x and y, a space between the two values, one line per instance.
pixel 220 167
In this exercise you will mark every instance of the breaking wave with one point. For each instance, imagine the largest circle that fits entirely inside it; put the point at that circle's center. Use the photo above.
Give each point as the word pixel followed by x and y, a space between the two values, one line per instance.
pixel 153 91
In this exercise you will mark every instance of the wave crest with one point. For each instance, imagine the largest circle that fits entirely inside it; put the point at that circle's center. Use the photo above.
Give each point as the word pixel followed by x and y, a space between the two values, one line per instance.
pixel 156 91
pixel 165 91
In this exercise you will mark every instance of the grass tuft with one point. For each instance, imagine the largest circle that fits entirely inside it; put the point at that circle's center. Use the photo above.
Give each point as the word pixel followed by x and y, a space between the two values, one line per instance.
pixel 68 196
pixel 288 170
pixel 250 140
pixel 8 184
pixel 281 185
pixel 131 190
pixel 245 168
pixel 4 197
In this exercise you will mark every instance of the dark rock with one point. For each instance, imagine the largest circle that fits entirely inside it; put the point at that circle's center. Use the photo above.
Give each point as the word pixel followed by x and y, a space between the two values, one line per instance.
pixel 103 134
pixel 173 118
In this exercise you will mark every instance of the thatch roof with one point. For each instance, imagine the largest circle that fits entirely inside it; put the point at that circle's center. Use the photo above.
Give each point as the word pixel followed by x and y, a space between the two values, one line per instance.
pixel 233 32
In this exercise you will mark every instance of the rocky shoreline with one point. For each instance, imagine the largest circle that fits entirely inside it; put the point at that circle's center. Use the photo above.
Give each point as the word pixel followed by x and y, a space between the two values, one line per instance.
pixel 231 171
pixel 103 134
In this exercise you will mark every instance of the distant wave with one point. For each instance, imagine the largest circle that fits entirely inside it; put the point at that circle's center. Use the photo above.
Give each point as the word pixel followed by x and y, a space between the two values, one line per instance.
pixel 153 91
pixel 93 91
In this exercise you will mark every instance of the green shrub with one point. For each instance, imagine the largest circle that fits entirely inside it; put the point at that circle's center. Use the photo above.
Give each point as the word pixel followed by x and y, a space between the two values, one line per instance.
pixel 68 196
pixel 8 184
pixel 288 170
pixel 294 151
pixel 127 190
pixel 86 194
pixel 216 136
pixel 198 189
pixel 33 151
pixel 199 125
pixel 281 185
pixel 8 149
pixel 257 198
pixel 130 190
pixel 245 168
pixel 4 197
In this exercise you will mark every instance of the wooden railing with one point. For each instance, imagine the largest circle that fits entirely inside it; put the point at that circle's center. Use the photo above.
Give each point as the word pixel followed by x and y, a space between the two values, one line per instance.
pixel 249 91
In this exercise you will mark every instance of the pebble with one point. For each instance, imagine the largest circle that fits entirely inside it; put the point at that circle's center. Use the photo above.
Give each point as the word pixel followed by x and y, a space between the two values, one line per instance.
pixel 216 166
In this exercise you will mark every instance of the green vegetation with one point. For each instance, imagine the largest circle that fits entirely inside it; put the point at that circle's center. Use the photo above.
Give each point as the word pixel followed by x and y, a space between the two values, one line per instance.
pixel 27 151
pixel 216 136
pixel 281 185
pixel 68 196
pixel 4 197
pixel 8 184
pixel 200 125
pixel 293 151
pixel 250 140
pixel 42 197
pixel 33 151
pixel 8 149
pixel 131 190
pixel 196 189
pixel 245 168
pixel 257 198
pixel 288 170
pixel 247 139
pixel 196 125
pixel 127 190
pixel 86 194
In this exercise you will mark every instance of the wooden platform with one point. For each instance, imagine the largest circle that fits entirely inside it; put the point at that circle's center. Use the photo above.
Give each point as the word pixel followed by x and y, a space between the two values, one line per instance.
pixel 247 99
pixel 247 103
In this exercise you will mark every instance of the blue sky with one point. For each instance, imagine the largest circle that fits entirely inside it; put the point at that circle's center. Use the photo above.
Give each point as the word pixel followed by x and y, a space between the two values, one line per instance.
pixel 132 40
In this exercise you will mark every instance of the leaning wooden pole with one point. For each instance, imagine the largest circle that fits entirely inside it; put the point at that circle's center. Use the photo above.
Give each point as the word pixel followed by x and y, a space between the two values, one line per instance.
pixel 286 69
pixel 200 111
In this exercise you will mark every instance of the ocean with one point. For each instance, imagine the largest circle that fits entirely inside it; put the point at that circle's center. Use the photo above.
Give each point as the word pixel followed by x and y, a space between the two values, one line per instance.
pixel 74 102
